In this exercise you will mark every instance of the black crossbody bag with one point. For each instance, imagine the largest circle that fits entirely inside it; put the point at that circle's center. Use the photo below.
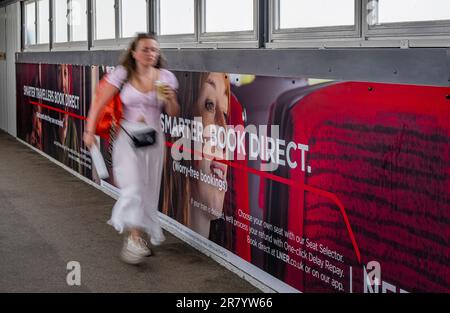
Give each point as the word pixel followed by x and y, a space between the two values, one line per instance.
pixel 142 138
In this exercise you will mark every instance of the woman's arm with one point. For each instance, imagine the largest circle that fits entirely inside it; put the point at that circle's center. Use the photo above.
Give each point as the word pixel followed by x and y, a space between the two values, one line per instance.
pixel 171 104
pixel 104 93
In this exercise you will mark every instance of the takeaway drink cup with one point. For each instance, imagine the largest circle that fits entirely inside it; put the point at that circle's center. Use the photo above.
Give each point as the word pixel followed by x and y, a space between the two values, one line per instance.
pixel 160 90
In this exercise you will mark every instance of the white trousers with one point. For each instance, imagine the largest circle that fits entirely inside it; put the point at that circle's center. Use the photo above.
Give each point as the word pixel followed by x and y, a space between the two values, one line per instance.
pixel 137 172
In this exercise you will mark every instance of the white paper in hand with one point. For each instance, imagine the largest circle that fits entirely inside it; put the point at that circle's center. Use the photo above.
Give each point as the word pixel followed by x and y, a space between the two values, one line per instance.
pixel 99 163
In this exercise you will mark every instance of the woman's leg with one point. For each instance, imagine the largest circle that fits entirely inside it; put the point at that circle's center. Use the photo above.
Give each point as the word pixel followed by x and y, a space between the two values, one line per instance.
pixel 135 233
pixel 127 215
pixel 152 186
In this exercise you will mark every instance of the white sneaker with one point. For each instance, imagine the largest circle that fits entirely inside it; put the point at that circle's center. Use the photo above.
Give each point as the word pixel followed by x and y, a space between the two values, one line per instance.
pixel 143 245
pixel 157 241
pixel 134 252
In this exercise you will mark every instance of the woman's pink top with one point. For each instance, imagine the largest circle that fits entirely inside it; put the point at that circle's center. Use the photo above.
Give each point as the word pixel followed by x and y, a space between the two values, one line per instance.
pixel 137 103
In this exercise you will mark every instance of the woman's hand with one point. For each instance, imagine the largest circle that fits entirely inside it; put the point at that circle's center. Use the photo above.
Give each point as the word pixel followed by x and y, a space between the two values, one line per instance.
pixel 89 139
pixel 169 94
pixel 171 102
